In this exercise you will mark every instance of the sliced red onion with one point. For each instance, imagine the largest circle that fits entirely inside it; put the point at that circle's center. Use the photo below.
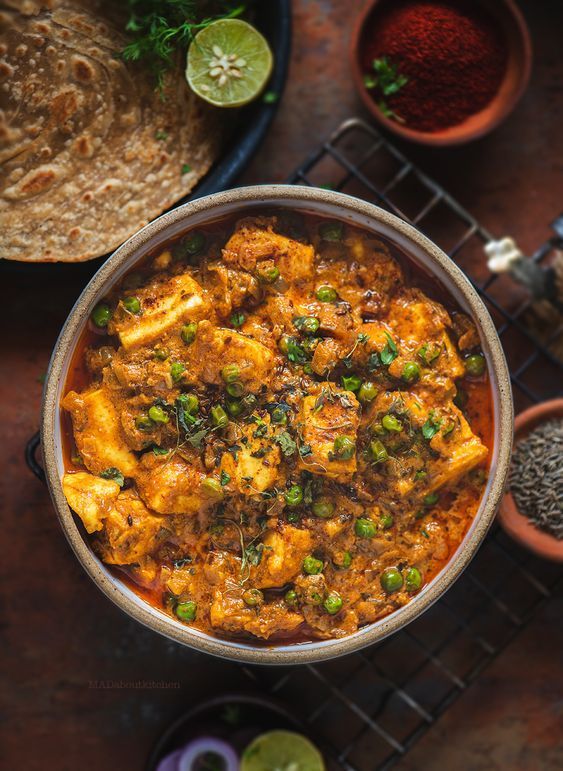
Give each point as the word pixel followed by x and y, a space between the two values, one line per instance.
pixel 170 762
pixel 199 747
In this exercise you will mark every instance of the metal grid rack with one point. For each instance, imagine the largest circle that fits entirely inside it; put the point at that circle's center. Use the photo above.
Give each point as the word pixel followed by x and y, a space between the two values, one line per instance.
pixel 370 708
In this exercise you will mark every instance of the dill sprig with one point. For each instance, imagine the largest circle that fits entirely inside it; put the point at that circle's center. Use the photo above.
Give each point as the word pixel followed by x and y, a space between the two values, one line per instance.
pixel 161 27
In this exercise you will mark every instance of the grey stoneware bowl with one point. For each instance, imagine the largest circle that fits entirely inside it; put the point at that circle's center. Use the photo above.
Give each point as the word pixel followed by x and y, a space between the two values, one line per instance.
pixel 239 202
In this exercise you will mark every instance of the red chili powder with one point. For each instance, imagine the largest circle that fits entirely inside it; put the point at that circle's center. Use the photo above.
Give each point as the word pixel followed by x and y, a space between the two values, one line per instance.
pixel 452 53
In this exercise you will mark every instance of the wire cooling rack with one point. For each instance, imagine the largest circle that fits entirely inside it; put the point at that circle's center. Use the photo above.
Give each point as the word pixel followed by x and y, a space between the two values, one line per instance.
pixel 368 709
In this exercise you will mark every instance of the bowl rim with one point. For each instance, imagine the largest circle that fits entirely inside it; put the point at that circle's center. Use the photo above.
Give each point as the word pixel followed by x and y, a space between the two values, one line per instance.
pixel 437 139
pixel 315 200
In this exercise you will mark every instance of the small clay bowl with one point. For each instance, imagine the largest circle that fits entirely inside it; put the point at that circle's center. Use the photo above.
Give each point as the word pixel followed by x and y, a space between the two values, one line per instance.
pixel 516 524
pixel 519 64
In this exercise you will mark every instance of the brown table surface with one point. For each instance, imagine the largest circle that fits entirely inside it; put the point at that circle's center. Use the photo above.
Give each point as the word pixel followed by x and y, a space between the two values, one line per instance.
pixel 61 636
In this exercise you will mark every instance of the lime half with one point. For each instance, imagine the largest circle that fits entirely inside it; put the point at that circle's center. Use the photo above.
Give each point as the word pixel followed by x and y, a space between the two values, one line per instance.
pixel 229 63
pixel 281 751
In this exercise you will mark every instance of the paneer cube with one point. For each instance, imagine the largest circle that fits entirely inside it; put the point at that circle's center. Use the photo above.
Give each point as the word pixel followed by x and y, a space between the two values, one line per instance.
pixel 214 348
pixel 455 448
pixel 164 305
pixel 282 556
pixel 327 415
pixel 131 530
pixel 255 467
pixel 91 497
pixel 255 240
pixel 417 322
pixel 97 431
pixel 228 613
pixel 172 485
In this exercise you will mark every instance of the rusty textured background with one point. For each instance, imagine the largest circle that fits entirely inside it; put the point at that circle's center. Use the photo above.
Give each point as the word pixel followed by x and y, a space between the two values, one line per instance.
pixel 63 641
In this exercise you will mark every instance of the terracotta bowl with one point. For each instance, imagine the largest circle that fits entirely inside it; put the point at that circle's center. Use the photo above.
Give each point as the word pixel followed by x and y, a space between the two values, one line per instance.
pixel 516 524
pixel 516 79
pixel 241 202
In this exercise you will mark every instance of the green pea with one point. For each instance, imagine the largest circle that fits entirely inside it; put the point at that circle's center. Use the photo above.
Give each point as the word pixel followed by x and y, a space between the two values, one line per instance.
pixel 158 415
pixel 367 392
pixel 391 580
pixel 307 369
pixel 230 373
pixel 194 243
pixel 343 560
pixel 268 275
pixel 377 451
pixel 253 597
pixel 234 408
pixel 312 566
pixel 190 403
pixel 212 488
pixel 390 423
pixel 283 343
pixel 132 304
pixel 475 365
pixel 420 475
pixel 364 528
pixel 144 423
pixel 344 447
pixel 237 318
pixel 351 382
pixel 291 598
pixel 177 370
pixel 235 389
pixel 219 417
pixel 161 353
pixel 323 509
pixel 309 325
pixel 331 231
pixel 249 402
pixel 411 372
pixel 294 496
pixel 279 416
pixel 333 603
pixel 430 499
pixel 186 611
pixel 413 580
pixel 386 521
pixel 189 332
pixel 292 517
pixel 326 294
pixel 461 398
pixel 429 353
pixel 101 315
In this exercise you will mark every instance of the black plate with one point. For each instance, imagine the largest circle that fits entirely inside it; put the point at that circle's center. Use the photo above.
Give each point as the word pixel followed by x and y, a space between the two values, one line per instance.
pixel 235 718
pixel 273 19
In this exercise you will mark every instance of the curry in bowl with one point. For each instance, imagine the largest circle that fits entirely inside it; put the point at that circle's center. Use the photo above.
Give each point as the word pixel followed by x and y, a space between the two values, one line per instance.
pixel 277 428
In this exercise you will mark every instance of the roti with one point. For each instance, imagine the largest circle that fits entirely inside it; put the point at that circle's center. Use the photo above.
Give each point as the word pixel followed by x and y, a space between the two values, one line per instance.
pixel 89 150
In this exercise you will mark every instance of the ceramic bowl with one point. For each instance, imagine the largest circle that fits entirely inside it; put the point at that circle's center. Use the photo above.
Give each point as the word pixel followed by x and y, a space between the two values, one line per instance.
pixel 241 202
pixel 517 36
pixel 516 524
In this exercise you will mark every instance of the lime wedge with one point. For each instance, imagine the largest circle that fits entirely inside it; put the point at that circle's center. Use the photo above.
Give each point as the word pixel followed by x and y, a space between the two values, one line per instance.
pixel 281 751
pixel 229 63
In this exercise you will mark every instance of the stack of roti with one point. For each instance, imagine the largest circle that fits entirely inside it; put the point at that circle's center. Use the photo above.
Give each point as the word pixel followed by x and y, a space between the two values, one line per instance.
pixel 89 150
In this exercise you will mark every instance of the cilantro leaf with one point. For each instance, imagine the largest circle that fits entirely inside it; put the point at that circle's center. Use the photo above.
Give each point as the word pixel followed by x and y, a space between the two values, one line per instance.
pixel 224 478
pixel 431 427
pixel 287 444
pixel 295 353
pixel 114 474
pixel 390 352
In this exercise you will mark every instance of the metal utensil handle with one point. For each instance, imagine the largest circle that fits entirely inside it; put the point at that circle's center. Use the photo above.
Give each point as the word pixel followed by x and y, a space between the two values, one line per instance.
pixel 31 459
